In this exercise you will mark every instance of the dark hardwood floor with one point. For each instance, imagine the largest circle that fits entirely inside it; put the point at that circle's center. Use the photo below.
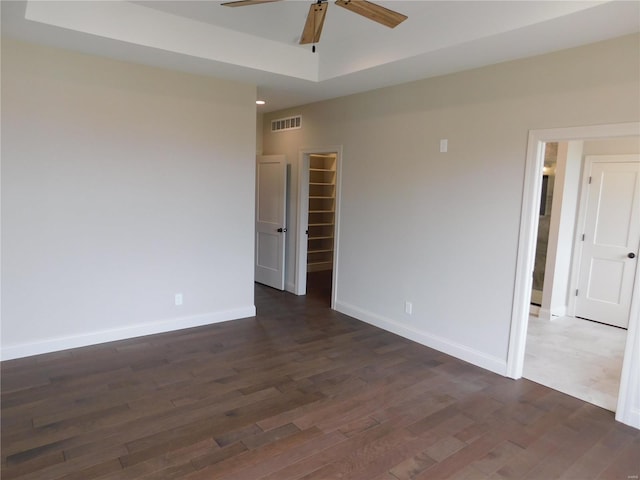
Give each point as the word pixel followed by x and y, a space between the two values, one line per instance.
pixel 298 392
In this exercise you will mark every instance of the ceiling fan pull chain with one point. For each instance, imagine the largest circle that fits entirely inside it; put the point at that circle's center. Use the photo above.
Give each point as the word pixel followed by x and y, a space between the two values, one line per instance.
pixel 313 47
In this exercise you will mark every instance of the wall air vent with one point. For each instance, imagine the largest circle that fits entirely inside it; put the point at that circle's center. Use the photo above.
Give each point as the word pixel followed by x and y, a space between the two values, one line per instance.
pixel 289 123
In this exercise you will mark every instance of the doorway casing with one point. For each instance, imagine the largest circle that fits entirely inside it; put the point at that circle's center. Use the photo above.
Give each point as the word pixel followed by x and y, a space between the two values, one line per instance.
pixel 626 411
pixel 300 287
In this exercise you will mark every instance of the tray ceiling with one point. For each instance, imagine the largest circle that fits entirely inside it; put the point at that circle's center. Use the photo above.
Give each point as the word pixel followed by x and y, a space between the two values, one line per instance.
pixel 259 44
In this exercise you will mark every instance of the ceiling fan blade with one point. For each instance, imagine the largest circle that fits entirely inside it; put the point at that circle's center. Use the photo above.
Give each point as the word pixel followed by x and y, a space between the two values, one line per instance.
pixel 244 3
pixel 373 12
pixel 313 26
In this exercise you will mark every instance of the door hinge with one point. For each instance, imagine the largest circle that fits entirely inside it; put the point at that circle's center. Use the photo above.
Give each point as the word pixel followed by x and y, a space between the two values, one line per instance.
pixel 583 237
pixel 576 292
pixel 589 180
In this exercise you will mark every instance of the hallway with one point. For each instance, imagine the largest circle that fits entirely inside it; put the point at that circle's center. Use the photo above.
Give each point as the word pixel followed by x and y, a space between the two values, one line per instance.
pixel 577 357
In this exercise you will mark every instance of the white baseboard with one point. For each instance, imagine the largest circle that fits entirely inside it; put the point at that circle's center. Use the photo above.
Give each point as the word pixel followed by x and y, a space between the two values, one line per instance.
pixel 558 311
pixel 480 359
pixel 547 314
pixel 544 314
pixel 93 338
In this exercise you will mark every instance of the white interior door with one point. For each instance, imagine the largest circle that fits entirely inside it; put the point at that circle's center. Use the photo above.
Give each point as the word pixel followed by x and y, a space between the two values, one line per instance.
pixel 609 246
pixel 271 205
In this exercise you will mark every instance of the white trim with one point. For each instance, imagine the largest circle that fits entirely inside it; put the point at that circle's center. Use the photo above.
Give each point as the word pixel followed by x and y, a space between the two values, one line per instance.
pixel 544 314
pixel 526 255
pixel 93 338
pixel 626 411
pixel 558 312
pixel 303 215
pixel 462 352
pixel 525 261
pixel 552 314
pixel 632 418
pixel 290 287
pixel 336 228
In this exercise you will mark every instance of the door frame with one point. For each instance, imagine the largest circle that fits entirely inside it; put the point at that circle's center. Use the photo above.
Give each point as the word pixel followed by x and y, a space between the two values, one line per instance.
pixel 629 381
pixel 300 283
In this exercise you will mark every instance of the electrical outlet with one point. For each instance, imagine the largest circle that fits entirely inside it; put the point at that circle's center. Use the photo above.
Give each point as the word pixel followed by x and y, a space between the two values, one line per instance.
pixel 179 299
pixel 444 145
pixel 408 308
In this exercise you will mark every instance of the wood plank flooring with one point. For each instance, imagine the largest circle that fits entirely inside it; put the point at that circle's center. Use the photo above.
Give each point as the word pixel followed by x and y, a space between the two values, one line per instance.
pixel 298 392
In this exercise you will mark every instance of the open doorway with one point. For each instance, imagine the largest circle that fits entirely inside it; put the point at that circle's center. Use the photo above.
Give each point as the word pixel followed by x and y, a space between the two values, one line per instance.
pixel 626 409
pixel 544 223
pixel 321 224
pixel 574 355
pixel 318 223
pixel 575 342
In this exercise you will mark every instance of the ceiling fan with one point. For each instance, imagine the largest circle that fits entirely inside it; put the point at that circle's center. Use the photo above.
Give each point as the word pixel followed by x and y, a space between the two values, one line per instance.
pixel 318 10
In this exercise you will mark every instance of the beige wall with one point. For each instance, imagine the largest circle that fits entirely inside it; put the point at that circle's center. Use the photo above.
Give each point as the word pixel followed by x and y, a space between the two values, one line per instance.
pixel 612 146
pixel 441 229
pixel 122 185
pixel 259 129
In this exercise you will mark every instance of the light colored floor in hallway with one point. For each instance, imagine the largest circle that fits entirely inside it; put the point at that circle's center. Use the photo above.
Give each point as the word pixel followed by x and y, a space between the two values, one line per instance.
pixel 577 357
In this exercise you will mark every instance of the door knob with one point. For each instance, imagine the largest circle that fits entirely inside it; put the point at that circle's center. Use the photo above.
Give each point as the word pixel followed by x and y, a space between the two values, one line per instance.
pixel 631 255
pixel 281 230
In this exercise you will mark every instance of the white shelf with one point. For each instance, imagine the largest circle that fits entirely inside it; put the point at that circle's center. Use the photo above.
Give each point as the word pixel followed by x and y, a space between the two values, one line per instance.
pixel 322 176
pixel 325 237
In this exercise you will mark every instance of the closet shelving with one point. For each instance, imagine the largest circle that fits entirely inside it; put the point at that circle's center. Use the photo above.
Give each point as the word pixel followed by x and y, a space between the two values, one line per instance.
pixel 322 204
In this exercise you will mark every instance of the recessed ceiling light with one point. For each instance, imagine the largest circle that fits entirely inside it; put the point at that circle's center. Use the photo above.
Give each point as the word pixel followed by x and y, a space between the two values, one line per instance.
pixel 260 102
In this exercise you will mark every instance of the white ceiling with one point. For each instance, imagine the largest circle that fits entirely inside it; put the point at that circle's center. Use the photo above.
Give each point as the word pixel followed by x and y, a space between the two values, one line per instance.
pixel 259 44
